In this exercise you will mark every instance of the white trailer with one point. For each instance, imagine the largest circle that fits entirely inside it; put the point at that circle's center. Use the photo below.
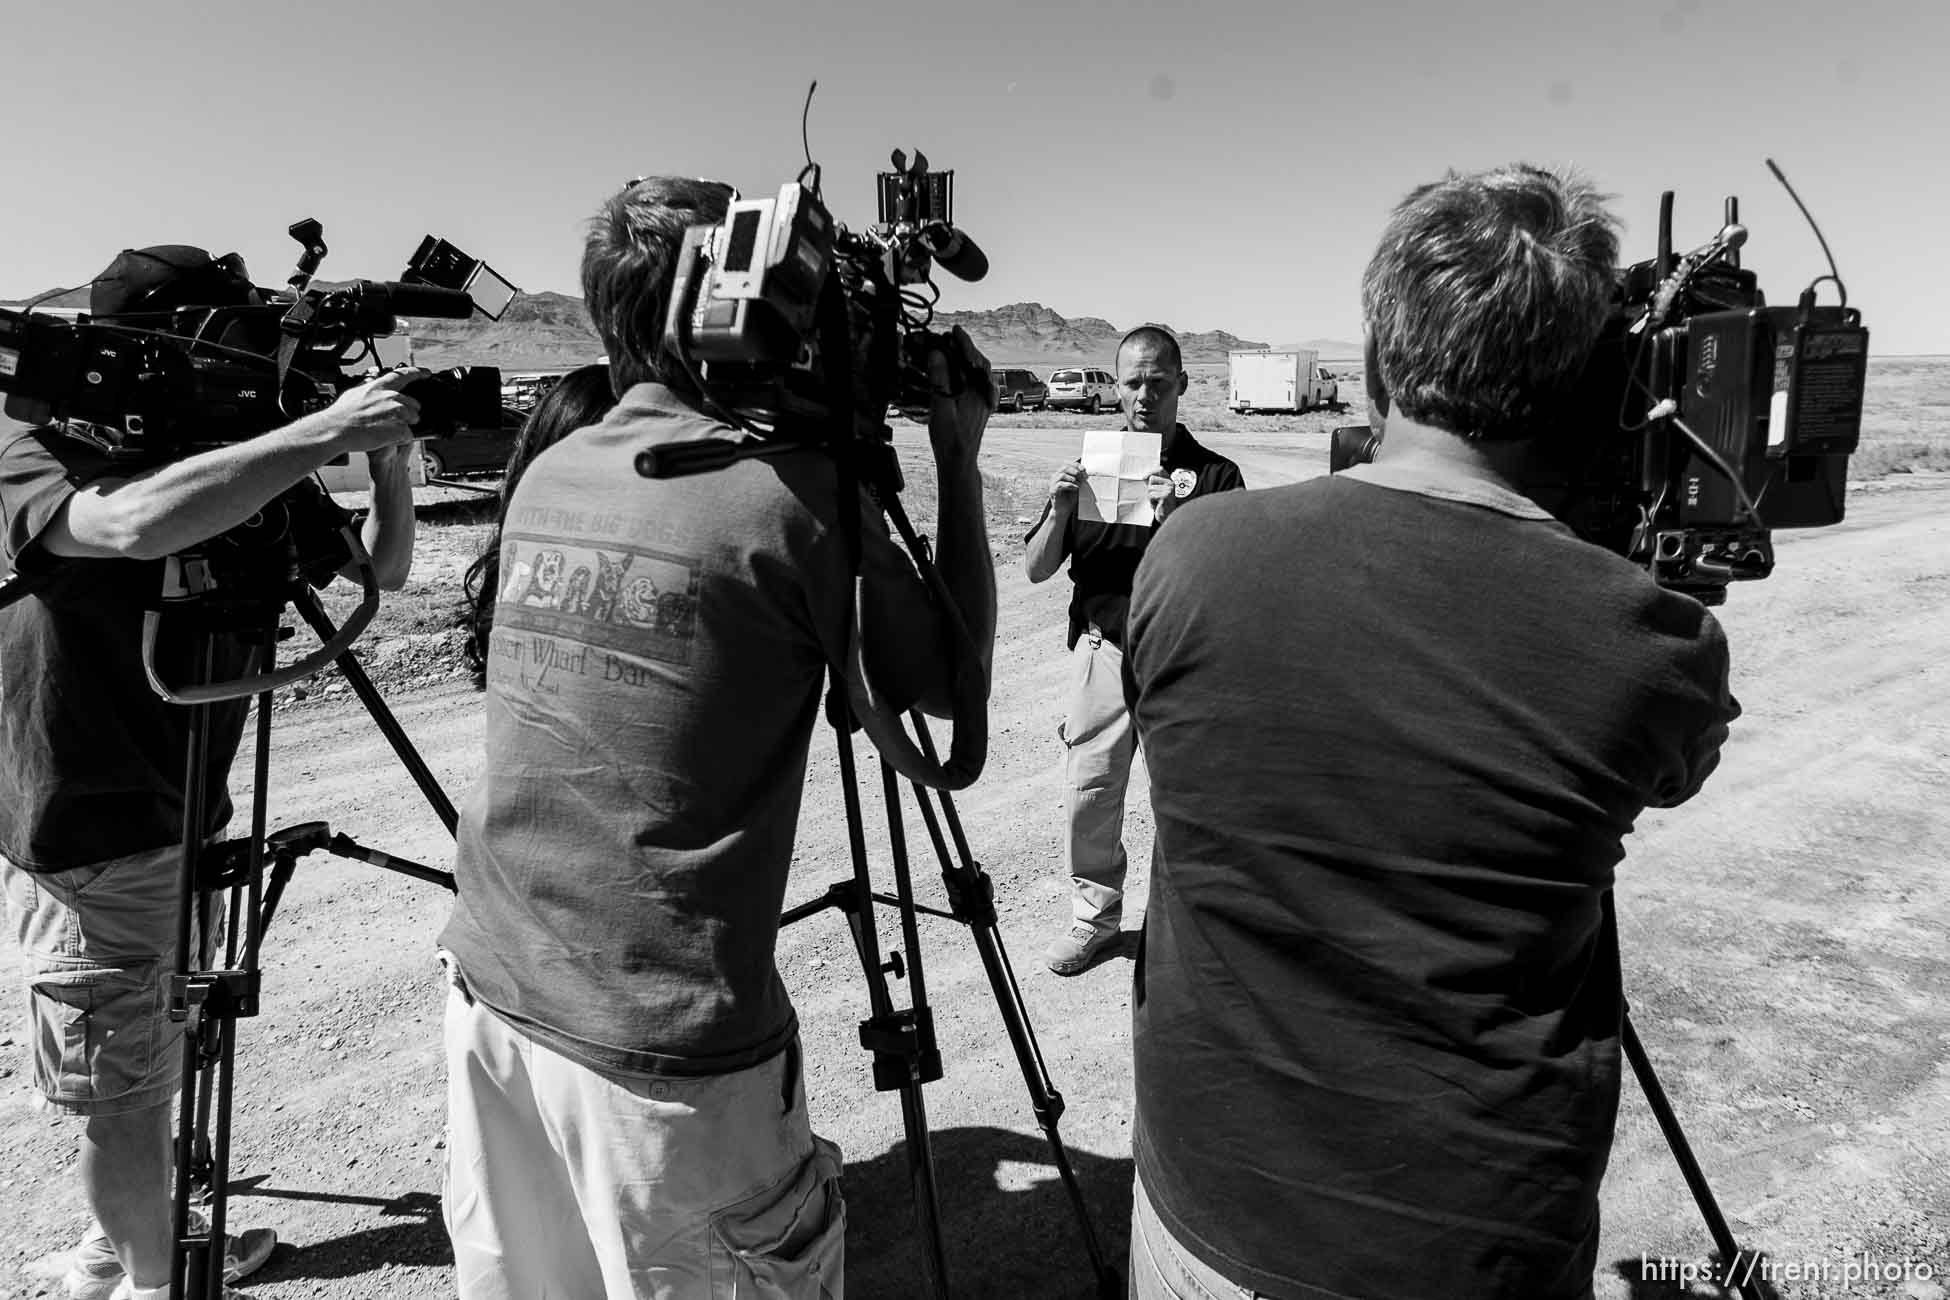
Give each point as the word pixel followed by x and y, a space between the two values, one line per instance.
pixel 1282 379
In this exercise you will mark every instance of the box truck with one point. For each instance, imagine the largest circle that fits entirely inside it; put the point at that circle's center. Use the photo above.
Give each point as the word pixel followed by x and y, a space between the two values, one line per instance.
pixel 1283 379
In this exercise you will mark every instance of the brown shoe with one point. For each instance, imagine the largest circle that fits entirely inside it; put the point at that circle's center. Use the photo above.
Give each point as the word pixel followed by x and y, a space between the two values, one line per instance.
pixel 1082 947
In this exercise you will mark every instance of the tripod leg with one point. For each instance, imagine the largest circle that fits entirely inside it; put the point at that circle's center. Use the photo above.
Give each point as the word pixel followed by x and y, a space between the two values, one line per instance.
pixel 201 1165
pixel 190 1256
pixel 925 1064
pixel 1738 1262
pixel 208 1002
pixel 890 1035
pixel 972 898
pixel 1716 1225
pixel 305 601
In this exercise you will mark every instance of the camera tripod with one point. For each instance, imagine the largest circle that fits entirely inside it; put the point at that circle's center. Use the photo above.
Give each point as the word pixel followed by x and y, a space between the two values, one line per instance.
pixel 209 1000
pixel 902 1039
pixel 1737 1262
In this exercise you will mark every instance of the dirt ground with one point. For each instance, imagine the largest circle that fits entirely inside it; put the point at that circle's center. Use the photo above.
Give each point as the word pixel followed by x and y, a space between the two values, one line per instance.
pixel 1785 953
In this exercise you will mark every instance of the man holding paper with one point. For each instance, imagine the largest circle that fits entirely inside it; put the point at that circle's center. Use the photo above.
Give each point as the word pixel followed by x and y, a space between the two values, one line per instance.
pixel 1100 515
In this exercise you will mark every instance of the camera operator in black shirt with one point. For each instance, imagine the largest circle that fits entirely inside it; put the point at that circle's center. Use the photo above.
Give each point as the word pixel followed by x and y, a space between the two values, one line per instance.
pixel 92 783
pixel 1399 722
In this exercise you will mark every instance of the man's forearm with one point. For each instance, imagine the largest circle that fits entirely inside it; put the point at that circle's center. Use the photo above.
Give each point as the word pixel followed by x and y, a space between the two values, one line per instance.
pixel 1043 552
pixel 962 552
pixel 176 506
pixel 389 527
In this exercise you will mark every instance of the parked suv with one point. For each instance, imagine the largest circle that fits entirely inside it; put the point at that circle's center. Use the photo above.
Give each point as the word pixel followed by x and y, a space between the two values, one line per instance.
pixel 1019 390
pixel 473 451
pixel 1088 389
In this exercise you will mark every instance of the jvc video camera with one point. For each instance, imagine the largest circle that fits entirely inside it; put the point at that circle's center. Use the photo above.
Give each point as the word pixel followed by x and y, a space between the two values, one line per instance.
pixel 1705 419
pixel 159 385
pixel 789 321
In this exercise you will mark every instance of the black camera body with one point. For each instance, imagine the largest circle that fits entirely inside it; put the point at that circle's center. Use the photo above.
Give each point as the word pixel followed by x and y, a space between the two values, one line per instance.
pixel 1704 420
pixel 790 321
pixel 156 386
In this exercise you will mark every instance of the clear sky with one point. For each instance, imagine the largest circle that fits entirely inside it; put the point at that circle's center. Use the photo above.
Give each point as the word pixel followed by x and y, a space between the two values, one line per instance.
pixel 1214 165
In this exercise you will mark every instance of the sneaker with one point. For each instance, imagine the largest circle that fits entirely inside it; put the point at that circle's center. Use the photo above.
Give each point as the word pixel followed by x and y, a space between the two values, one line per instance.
pixel 91 1271
pixel 243 1253
pixel 1083 947
pixel 88 1270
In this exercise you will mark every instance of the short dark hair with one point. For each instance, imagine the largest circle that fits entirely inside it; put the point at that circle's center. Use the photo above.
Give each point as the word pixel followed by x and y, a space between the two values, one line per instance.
pixel 1158 337
pixel 628 262
pixel 1486 295
pixel 578 399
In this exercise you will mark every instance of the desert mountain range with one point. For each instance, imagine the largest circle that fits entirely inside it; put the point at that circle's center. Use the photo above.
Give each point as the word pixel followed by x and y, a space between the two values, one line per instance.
pixel 550 331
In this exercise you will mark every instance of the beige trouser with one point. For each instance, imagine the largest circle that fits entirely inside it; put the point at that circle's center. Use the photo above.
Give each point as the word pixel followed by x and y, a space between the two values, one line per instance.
pixel 1099 744
pixel 570 1184
pixel 98 949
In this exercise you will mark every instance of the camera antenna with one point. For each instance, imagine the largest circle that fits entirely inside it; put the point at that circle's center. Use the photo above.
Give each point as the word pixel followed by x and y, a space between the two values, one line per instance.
pixel 805 142
pixel 1833 274
pixel 32 303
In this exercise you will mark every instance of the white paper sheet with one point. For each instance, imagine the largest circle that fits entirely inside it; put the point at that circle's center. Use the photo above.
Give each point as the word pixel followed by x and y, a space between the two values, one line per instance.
pixel 1116 463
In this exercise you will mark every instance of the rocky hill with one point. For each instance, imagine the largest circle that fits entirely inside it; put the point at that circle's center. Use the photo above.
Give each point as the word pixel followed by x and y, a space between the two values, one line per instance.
pixel 549 331
pixel 546 330
pixel 539 331
pixel 1029 331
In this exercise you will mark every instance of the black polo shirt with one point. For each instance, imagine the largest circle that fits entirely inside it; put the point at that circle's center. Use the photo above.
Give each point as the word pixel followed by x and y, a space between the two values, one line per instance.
pixel 94 762
pixel 1104 557
pixel 1376 1012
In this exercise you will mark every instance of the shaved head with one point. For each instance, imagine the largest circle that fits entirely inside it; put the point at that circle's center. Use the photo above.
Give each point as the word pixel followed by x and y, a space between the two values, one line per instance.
pixel 1159 339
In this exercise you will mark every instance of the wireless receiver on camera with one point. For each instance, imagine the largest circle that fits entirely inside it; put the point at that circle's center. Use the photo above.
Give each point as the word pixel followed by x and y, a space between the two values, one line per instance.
pixel 1719 418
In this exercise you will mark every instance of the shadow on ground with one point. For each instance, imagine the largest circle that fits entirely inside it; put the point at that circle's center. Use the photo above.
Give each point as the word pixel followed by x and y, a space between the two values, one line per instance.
pixel 418 1240
pixel 1007 1223
pixel 1671 1279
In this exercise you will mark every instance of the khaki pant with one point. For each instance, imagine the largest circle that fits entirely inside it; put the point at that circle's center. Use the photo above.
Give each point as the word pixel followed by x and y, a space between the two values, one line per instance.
pixel 1099 743
pixel 566 1183
pixel 98 948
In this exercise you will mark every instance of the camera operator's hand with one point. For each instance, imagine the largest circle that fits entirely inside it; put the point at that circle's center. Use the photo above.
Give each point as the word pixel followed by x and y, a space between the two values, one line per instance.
pixel 957 419
pixel 376 414
pixel 1065 486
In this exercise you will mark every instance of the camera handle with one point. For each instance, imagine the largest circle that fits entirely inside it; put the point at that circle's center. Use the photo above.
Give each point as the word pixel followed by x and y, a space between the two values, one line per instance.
pixel 187 578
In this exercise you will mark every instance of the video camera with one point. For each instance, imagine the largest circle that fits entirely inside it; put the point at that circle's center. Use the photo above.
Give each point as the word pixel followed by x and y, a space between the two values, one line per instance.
pixel 800 330
pixel 802 333
pixel 1728 418
pixel 158 385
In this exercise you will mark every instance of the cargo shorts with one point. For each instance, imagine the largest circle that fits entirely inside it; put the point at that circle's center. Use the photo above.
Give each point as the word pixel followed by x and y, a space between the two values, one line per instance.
pixel 97 950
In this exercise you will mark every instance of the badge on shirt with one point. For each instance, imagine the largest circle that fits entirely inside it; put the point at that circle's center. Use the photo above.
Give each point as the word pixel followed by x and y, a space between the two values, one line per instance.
pixel 1183 481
